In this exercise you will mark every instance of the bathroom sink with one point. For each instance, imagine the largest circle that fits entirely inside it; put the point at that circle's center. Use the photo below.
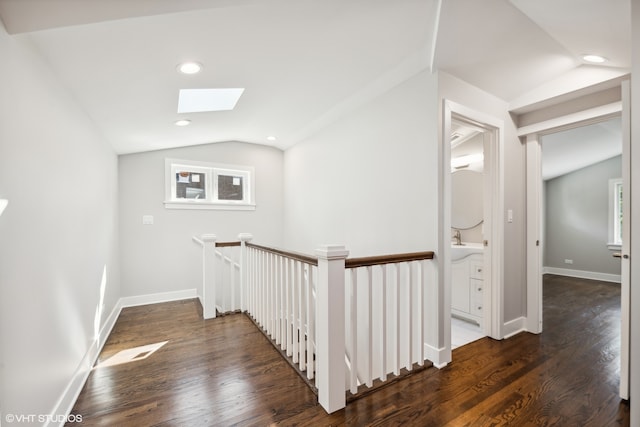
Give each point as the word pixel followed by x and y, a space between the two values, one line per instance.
pixel 464 250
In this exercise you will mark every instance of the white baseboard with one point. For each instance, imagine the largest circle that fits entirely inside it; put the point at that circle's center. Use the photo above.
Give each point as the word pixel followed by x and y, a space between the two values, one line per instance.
pixel 158 298
pixel 514 327
pixel 438 356
pixel 79 378
pixel 592 275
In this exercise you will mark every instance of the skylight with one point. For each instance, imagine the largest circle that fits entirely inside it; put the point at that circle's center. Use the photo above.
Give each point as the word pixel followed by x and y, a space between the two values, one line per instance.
pixel 200 100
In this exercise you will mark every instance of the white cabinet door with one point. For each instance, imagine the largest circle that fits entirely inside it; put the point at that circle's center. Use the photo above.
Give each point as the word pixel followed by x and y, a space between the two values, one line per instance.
pixel 460 295
pixel 476 298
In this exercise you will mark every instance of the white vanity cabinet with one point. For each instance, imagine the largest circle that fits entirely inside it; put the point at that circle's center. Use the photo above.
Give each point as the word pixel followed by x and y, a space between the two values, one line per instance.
pixel 467 288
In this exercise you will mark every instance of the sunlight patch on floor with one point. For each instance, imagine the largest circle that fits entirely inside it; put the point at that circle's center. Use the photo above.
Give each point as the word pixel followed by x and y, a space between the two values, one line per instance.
pixel 131 355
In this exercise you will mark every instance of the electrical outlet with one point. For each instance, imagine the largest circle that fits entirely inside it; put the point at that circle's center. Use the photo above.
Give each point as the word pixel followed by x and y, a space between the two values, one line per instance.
pixel 568 261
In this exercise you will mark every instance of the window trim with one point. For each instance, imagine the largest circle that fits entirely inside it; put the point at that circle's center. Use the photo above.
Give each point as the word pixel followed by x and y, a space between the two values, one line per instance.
pixel 211 172
pixel 615 213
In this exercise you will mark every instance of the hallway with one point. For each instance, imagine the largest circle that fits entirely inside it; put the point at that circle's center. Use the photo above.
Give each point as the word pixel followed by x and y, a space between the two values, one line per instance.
pixel 224 372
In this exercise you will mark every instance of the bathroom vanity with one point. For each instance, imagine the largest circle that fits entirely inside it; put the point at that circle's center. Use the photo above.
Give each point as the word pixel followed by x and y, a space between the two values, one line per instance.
pixel 467 282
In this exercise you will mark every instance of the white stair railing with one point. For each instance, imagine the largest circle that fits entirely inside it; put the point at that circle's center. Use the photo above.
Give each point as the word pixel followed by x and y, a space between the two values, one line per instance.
pixel 227 283
pixel 281 298
pixel 301 303
pixel 385 303
pixel 207 291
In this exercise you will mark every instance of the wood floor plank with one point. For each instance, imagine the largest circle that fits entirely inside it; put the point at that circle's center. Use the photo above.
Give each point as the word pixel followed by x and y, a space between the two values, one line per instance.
pixel 223 372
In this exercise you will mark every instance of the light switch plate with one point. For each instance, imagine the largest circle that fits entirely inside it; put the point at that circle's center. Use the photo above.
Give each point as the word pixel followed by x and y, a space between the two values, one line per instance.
pixel 147 219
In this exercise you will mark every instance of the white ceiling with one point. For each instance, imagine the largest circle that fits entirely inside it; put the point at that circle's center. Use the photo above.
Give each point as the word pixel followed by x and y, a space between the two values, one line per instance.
pixel 573 149
pixel 303 63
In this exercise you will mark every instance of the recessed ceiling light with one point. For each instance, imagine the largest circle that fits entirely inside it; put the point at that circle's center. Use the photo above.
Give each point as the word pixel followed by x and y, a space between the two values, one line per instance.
pixel 595 59
pixel 199 100
pixel 190 67
pixel 183 122
pixel 271 138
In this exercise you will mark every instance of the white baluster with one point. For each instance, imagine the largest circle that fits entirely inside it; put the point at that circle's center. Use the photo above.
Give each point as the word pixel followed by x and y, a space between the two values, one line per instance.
pixel 283 305
pixel 370 327
pixel 269 296
pixel 303 315
pixel 233 277
pixel 410 323
pixel 398 315
pixel 384 322
pixel 251 289
pixel 422 308
pixel 277 299
pixel 353 324
pixel 274 295
pixel 264 285
pixel 311 324
pixel 265 291
pixel 260 285
pixel 289 307
pixel 296 328
pixel 254 283
pixel 222 286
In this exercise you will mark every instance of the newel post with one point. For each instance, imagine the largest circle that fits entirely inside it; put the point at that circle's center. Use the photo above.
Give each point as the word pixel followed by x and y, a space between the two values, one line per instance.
pixel 209 276
pixel 330 327
pixel 244 239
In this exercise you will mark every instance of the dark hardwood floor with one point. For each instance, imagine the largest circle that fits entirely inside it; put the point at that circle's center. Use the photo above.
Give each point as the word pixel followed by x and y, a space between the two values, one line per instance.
pixel 223 372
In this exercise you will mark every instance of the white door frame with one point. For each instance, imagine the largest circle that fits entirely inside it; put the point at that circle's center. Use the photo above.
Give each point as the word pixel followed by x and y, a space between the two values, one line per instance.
pixel 494 228
pixel 625 290
pixel 534 239
pixel 534 244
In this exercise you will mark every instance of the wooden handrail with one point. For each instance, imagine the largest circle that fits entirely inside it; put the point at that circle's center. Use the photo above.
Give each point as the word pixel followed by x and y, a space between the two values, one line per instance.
pixel 387 259
pixel 349 262
pixel 289 254
pixel 226 244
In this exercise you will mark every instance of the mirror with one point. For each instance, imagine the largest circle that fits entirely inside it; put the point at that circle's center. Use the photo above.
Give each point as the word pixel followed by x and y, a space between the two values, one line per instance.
pixel 466 199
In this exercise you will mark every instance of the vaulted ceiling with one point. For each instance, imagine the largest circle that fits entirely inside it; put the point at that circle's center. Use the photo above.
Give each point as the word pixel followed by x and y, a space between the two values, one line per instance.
pixel 303 63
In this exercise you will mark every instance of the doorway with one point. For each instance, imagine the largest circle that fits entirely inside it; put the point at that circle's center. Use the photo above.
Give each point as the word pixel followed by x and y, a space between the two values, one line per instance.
pixel 467 226
pixel 582 174
pixel 535 224
pixel 489 136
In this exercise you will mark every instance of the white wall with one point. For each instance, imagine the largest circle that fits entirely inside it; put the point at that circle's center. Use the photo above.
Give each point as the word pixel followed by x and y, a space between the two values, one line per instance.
pixel 458 91
pixel 57 236
pixel 161 257
pixel 368 181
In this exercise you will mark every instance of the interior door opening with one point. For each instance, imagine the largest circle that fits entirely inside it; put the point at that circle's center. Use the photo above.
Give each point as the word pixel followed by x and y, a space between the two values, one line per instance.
pixel 572 213
pixel 467 226
pixel 492 228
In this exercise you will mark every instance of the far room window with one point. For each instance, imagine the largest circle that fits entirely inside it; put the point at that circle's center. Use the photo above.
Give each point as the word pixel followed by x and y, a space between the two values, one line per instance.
pixel 201 185
pixel 615 214
pixel 230 184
